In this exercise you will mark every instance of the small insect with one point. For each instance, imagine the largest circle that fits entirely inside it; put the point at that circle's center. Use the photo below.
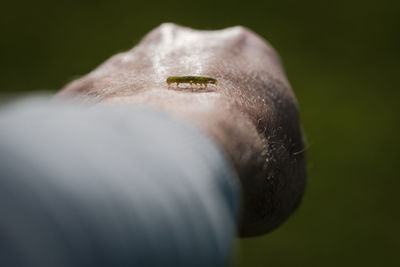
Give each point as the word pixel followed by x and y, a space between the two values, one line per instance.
pixel 191 80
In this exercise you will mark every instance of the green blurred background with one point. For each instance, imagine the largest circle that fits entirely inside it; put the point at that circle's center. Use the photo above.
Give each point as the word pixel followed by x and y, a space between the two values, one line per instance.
pixel 342 60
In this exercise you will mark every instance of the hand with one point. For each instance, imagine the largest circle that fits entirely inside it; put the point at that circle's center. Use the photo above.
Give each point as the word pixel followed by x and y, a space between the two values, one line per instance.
pixel 252 112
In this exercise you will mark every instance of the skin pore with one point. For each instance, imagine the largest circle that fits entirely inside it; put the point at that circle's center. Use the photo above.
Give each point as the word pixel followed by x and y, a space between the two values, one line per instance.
pixel 251 113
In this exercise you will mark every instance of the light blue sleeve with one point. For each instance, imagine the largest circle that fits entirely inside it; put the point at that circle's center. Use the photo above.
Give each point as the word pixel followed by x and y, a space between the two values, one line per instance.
pixel 84 186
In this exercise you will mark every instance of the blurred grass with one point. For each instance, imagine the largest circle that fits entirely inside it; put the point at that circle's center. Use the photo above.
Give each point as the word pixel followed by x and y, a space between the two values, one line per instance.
pixel 342 60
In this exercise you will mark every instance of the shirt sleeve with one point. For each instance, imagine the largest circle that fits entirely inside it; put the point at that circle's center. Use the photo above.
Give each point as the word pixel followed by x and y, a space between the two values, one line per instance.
pixel 97 186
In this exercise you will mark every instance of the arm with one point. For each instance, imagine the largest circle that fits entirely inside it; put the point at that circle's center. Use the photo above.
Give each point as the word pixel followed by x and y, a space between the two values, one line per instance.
pixel 72 192
pixel 251 114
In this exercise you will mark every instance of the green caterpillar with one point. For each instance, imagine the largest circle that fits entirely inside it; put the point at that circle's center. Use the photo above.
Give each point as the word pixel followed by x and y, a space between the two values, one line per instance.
pixel 192 80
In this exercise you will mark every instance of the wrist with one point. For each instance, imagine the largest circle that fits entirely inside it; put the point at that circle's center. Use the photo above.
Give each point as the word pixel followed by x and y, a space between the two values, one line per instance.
pixel 232 130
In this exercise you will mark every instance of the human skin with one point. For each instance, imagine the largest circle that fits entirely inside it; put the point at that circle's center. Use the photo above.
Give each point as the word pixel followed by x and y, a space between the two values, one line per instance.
pixel 252 113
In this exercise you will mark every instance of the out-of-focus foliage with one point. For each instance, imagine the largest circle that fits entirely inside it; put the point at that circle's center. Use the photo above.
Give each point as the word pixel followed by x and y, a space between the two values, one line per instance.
pixel 342 60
